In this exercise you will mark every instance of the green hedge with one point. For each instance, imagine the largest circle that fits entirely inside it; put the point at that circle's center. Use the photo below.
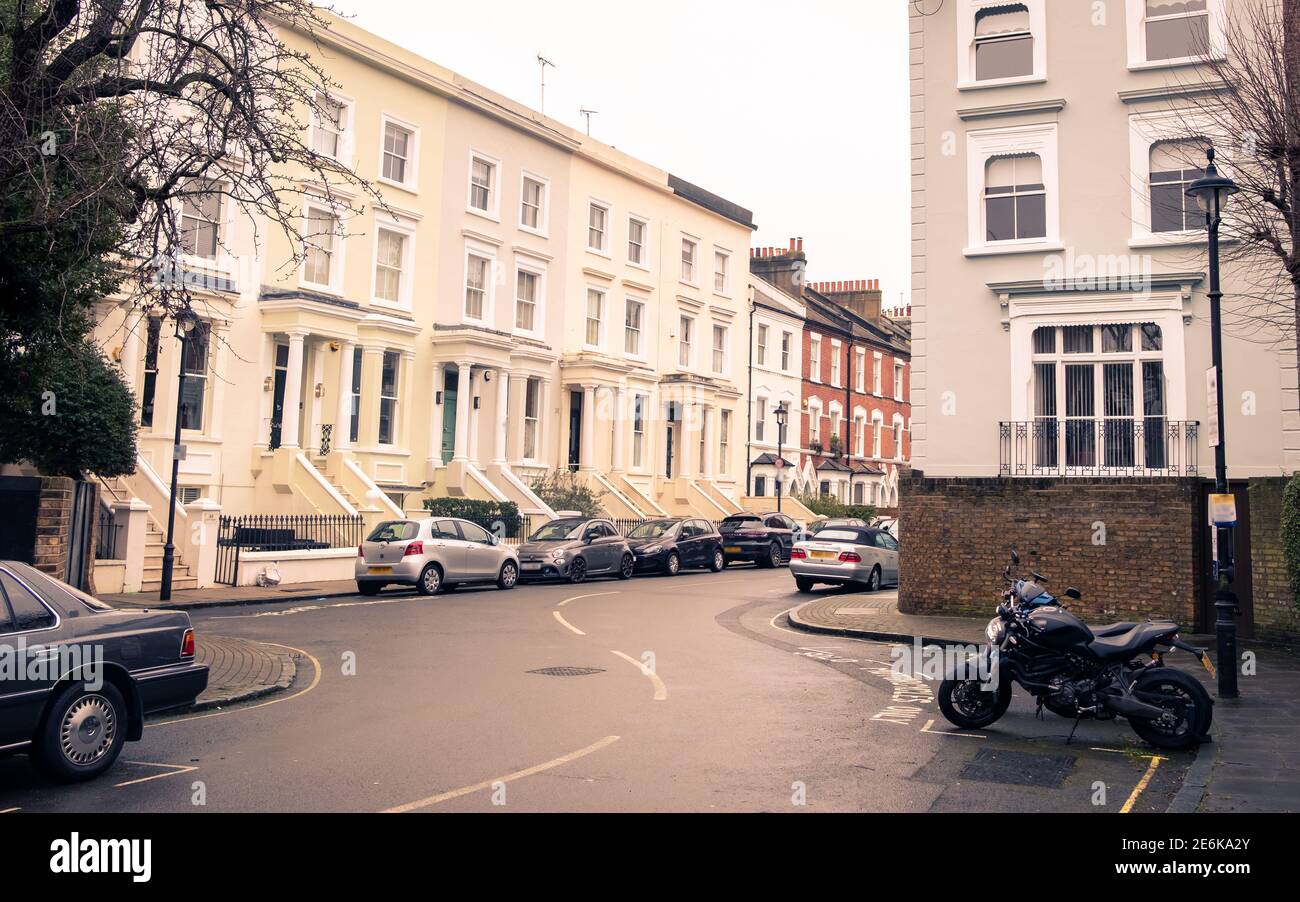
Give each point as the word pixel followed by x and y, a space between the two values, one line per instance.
pixel 830 506
pixel 485 513
pixel 1291 533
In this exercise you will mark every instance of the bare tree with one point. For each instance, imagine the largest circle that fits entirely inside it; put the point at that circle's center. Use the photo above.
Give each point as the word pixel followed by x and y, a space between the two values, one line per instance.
pixel 149 108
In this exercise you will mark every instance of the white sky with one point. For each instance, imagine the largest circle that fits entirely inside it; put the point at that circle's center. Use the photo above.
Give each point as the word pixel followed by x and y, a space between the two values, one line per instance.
pixel 795 109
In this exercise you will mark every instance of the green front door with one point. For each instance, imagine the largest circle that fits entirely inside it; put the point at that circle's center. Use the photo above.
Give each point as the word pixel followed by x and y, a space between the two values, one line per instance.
pixel 451 380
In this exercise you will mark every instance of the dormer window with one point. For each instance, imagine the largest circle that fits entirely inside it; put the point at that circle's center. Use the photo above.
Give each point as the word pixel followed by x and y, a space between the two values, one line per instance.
pixel 1004 44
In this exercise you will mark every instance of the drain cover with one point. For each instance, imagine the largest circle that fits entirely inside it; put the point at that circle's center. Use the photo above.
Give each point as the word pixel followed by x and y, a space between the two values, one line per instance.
pixel 1018 768
pixel 568 671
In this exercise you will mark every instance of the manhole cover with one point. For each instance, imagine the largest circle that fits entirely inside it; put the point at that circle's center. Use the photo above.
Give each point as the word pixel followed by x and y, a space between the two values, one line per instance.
pixel 1018 768
pixel 568 671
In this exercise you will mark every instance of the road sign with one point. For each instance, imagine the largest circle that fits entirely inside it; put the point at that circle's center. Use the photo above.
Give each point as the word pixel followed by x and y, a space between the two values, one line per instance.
pixel 1212 404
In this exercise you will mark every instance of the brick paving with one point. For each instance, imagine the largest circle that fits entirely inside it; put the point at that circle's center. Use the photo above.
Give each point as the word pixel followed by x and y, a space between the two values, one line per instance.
pixel 876 616
pixel 240 670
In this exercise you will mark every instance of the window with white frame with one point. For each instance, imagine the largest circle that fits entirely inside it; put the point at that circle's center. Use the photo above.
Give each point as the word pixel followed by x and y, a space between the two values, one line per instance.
pixel 898 381
pixel 1004 42
pixel 1174 166
pixel 1015 198
pixel 815 358
pixel 330 127
pixel 482 184
pixel 724 441
pixel 787 344
pixel 633 317
pixel 875 374
pixel 528 286
pixel 595 317
pixel 392 266
pixel 1175 29
pixel 598 228
pixel 877 424
pixel 201 219
pixel 388 397
pixel 836 417
pixel 836 347
pixel 532 414
pixel 859 434
pixel 685 340
pixel 760 352
pixel 860 370
pixel 721 271
pixel 354 394
pixel 477 282
pixel 1100 396
pixel 690 250
pixel 1014 201
pixel 398 163
pixel 719 348
pixel 760 419
pixel 898 438
pixel 532 204
pixel 320 262
pixel 636 241
pixel 194 363
pixel 815 422
pixel 638 431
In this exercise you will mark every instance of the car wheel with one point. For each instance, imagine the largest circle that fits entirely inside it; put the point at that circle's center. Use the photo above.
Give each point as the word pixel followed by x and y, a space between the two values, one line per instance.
pixel 718 563
pixel 577 570
pixel 509 575
pixel 627 567
pixel 803 585
pixel 873 581
pixel 673 565
pixel 82 733
pixel 430 580
pixel 369 588
pixel 773 558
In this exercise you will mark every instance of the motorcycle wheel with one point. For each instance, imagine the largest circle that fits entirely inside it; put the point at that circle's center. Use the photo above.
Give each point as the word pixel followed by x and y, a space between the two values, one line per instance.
pixel 965 705
pixel 1189 709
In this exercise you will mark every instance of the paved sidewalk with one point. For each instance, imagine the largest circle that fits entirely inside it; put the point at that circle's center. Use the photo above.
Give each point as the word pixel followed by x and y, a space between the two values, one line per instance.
pixel 240 670
pixel 1251 764
pixel 225 596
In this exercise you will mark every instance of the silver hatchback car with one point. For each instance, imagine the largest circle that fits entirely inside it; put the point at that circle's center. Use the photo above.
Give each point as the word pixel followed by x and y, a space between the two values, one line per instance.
pixel 432 555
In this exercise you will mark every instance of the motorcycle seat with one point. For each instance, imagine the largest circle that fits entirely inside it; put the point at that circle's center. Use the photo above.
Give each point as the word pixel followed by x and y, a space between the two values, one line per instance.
pixel 1127 644
pixel 1112 629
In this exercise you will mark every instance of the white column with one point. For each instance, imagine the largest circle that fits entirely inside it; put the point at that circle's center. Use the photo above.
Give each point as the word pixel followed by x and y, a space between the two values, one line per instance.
pixel 131 347
pixel 516 403
pixel 686 438
pixel 475 386
pixel 546 433
pixel 620 426
pixel 435 415
pixel 292 392
pixel 588 427
pixel 463 405
pixel 343 417
pixel 503 403
pixel 708 427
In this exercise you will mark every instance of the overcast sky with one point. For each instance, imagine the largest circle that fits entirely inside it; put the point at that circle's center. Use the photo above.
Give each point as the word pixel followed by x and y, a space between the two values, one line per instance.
pixel 795 109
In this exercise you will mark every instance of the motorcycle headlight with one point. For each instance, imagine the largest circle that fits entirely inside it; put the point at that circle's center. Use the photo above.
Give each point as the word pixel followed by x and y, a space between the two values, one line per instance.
pixel 995 630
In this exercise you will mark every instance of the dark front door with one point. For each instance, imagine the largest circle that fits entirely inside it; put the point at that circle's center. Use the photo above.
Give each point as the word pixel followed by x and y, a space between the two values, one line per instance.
pixel 277 397
pixel 575 429
pixel 450 392
pixel 20 496
pixel 1242 584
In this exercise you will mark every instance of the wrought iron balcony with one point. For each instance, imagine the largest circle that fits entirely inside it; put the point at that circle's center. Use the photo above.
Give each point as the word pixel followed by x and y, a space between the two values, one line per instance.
pixel 1098 446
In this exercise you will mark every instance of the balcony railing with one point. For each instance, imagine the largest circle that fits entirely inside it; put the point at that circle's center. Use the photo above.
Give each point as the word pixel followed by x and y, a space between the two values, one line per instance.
pixel 1098 446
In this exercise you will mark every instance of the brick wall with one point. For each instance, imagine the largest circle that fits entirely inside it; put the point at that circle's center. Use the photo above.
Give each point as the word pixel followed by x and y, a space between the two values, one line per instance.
pixel 957 535
pixel 53 522
pixel 1276 615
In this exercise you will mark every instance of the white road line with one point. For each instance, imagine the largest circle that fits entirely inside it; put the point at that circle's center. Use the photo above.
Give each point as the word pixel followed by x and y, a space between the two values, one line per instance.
pixel 929 723
pixel 566 624
pixel 578 597
pixel 305 608
pixel 661 691
pixel 178 770
pixel 517 775
pixel 1142 785
pixel 275 701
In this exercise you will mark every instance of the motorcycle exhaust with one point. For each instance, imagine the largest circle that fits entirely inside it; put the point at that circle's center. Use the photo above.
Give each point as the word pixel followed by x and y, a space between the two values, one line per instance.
pixel 1131 707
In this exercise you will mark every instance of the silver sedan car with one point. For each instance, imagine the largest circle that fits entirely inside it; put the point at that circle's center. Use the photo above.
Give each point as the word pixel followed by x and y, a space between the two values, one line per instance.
pixel 433 555
pixel 845 555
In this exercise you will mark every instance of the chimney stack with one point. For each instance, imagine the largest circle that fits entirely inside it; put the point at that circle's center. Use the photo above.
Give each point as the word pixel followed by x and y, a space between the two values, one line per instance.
pixel 783 267
pixel 862 296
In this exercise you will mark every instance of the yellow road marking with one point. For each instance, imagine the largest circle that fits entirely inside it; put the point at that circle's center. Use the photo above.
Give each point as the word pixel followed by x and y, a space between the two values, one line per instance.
pixel 275 701
pixel 517 775
pixel 577 597
pixel 566 624
pixel 178 770
pixel 1142 785
pixel 661 691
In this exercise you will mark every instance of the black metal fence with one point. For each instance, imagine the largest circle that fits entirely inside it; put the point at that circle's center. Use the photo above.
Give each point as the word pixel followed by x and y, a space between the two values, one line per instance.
pixel 1087 446
pixel 297 532
pixel 108 535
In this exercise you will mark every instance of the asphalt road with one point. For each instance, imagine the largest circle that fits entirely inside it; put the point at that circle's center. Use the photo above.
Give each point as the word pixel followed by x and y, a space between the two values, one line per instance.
pixel 701 699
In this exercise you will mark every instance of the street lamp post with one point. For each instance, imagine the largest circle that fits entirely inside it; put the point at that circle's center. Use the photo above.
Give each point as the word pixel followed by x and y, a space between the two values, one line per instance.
pixel 185 324
pixel 781 415
pixel 1211 191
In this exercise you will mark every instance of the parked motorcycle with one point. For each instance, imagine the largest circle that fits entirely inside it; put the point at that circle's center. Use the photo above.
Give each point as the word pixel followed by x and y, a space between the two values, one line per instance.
pixel 1079 672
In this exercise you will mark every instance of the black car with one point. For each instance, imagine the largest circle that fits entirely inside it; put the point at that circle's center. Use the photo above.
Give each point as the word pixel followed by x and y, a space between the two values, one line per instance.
pixel 666 546
pixel 81 675
pixel 575 548
pixel 765 539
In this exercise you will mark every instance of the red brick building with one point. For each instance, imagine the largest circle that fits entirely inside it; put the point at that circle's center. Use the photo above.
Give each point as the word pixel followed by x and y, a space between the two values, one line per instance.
pixel 855 430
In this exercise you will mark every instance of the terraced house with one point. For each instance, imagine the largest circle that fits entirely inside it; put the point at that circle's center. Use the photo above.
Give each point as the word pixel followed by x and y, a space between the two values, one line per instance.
pixel 526 299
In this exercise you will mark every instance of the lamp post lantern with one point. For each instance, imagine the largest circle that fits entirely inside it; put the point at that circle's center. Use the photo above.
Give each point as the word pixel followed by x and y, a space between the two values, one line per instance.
pixel 782 414
pixel 185 324
pixel 1211 192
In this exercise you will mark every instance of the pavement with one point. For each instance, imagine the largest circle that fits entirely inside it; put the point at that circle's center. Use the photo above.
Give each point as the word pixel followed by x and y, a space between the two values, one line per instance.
pixel 1251 764
pixel 231 596
pixel 240 670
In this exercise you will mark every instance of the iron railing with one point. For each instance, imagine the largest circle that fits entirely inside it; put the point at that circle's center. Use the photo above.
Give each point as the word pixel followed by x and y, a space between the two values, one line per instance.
pixel 326 435
pixel 1098 446
pixel 108 534
pixel 296 532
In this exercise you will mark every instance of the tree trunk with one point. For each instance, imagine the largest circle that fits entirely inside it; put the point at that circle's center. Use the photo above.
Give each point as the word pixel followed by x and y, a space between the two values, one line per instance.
pixel 1291 104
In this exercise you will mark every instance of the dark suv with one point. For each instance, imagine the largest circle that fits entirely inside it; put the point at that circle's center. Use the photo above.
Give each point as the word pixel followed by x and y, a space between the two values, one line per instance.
pixel 765 539
pixel 574 548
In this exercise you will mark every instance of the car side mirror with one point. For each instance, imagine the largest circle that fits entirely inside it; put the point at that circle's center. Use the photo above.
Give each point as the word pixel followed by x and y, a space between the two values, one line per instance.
pixel 588 536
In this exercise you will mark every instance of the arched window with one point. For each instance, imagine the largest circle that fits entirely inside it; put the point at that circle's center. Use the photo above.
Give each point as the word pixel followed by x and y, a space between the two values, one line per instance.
pixel 1015 198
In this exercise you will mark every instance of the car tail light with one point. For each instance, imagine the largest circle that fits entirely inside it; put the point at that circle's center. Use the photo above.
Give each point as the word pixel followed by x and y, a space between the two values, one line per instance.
pixel 850 557
pixel 798 554
pixel 414 548
pixel 750 534
pixel 187 644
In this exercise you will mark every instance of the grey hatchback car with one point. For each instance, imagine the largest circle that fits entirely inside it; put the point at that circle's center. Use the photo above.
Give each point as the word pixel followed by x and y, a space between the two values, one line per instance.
pixel 433 555
pixel 575 548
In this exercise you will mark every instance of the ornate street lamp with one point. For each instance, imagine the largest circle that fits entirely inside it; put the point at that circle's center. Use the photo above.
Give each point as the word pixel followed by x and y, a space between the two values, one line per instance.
pixel 1211 192
pixel 782 414
pixel 186 323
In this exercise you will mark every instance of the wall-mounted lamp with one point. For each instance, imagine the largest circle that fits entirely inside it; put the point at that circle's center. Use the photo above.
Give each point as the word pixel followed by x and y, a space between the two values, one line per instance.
pixel 268 383
pixel 320 389
pixel 437 398
pixel 334 346
pixel 477 399
pixel 487 375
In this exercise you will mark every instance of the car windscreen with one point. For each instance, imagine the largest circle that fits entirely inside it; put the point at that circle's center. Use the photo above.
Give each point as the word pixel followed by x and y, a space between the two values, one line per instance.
pixel 394 531
pixel 849 536
pixel 652 529
pixel 558 531
pixel 733 523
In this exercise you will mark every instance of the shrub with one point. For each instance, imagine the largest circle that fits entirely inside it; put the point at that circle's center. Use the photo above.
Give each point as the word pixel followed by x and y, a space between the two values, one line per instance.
pixel 498 517
pixel 1291 533
pixel 563 491
pixel 830 506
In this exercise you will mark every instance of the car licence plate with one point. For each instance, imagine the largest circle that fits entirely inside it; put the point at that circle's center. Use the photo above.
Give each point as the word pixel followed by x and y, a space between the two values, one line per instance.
pixel 1209 665
pixel 731 549
pixel 380 571
pixel 530 566
pixel 824 555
